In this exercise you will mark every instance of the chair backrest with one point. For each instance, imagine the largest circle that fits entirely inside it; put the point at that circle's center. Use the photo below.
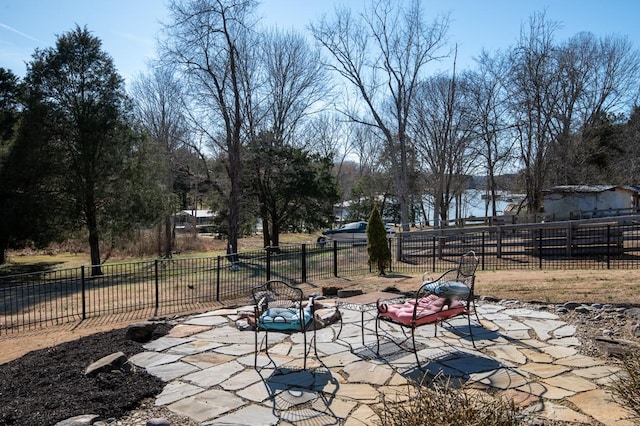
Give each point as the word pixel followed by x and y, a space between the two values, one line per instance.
pixel 276 293
pixel 468 265
pixel 449 283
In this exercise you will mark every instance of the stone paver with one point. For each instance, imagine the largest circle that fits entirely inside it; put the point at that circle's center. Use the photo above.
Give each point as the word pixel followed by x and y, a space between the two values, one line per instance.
pixel 175 391
pixel 544 370
pixel 597 372
pixel 502 378
pixel 599 404
pixel 207 405
pixel 560 413
pixel 214 375
pixel 546 391
pixel 251 415
pixel 172 371
pixel 508 353
pixel 367 372
pixel 571 382
pixel 528 355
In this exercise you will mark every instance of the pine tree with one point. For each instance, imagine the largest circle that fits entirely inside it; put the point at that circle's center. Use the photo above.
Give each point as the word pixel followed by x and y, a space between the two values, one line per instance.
pixel 377 242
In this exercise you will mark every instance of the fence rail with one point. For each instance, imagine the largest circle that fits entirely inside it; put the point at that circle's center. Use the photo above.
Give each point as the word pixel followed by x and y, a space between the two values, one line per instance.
pixel 168 286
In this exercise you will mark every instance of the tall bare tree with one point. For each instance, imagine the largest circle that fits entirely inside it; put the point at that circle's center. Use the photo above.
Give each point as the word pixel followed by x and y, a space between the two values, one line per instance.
pixel 289 85
pixel 490 122
pixel 534 91
pixel 296 83
pixel 597 77
pixel 444 139
pixel 159 106
pixel 381 55
pixel 207 40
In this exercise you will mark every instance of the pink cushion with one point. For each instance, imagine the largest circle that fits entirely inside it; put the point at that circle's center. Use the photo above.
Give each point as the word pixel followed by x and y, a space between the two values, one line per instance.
pixel 429 310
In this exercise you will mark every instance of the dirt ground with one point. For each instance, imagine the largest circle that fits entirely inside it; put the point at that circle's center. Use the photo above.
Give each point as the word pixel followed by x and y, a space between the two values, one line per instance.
pixel 42 373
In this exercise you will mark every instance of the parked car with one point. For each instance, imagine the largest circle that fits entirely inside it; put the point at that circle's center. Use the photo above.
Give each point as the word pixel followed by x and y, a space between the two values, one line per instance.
pixel 354 231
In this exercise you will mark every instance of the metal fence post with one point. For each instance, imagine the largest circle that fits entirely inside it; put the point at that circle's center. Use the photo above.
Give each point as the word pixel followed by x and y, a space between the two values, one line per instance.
pixel 268 264
pixel 84 296
pixel 540 248
pixel 483 251
pixel 157 286
pixel 218 280
pixel 433 258
pixel 304 263
pixel 608 246
pixel 335 258
pixel 390 263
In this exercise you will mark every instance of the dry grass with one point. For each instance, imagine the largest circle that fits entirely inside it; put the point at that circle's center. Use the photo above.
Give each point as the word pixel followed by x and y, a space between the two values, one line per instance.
pixel 441 403
pixel 626 386
pixel 548 286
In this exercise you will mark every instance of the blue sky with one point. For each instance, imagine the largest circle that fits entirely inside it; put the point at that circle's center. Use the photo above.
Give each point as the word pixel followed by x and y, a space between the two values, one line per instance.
pixel 128 28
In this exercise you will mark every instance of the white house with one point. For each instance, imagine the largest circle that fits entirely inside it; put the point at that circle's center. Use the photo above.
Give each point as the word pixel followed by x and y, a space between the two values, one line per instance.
pixel 185 220
pixel 586 201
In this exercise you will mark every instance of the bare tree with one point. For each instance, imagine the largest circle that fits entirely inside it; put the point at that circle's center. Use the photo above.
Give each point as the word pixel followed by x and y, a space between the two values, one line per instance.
pixel 291 85
pixel 443 135
pixel 296 83
pixel 533 83
pixel 629 165
pixel 381 55
pixel 597 77
pixel 560 95
pixel 159 106
pixel 205 39
pixel 491 126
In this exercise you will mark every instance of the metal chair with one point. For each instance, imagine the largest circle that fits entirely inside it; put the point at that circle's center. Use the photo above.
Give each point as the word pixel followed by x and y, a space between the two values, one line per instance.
pixel 448 296
pixel 280 307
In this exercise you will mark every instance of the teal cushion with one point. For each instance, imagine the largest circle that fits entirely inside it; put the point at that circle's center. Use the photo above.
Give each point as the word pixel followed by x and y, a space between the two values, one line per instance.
pixel 448 289
pixel 284 318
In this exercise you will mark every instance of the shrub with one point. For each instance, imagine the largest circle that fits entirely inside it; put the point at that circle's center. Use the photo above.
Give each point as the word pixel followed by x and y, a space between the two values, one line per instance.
pixel 441 403
pixel 626 386
pixel 377 242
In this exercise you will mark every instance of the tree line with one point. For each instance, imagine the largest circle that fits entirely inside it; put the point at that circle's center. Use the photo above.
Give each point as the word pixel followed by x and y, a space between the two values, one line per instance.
pixel 263 123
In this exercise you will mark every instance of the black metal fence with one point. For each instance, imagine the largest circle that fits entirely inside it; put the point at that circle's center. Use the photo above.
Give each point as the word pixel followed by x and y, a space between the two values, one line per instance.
pixel 169 286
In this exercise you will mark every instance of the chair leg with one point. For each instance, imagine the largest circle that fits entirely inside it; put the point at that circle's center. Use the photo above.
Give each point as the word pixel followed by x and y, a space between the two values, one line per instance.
pixel 415 350
pixel 304 349
pixel 315 340
pixel 255 351
pixel 377 337
pixel 473 342
pixel 475 311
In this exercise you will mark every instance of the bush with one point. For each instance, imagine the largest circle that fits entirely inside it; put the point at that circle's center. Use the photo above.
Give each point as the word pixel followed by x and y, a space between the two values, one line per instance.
pixel 377 242
pixel 626 386
pixel 441 403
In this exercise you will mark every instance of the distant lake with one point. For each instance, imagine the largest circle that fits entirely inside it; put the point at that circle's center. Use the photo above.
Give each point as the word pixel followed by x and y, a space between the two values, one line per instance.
pixel 473 204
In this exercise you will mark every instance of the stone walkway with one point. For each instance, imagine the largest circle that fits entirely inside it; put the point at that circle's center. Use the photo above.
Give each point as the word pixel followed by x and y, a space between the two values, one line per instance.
pixel 529 355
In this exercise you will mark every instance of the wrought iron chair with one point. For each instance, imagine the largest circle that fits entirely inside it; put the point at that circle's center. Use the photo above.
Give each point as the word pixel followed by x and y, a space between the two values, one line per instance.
pixel 448 296
pixel 280 307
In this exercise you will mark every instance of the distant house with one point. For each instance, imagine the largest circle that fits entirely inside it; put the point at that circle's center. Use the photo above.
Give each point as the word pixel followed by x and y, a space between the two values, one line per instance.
pixel 569 202
pixel 185 220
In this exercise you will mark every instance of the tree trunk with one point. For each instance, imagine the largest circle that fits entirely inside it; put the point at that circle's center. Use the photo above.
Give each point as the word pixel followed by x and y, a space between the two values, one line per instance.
pixel 94 236
pixel 168 234
pixel 94 245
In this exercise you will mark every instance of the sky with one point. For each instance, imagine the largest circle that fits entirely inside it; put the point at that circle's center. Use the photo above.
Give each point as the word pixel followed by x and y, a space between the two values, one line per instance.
pixel 128 29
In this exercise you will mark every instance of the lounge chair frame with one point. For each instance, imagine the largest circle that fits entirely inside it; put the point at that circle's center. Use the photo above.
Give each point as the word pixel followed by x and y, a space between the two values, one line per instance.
pixel 435 301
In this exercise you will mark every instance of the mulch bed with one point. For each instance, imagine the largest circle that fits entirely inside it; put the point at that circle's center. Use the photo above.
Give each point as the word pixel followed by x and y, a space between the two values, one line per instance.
pixel 49 385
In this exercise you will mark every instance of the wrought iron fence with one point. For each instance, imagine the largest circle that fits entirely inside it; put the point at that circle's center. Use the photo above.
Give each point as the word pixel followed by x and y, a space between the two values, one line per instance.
pixel 168 286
